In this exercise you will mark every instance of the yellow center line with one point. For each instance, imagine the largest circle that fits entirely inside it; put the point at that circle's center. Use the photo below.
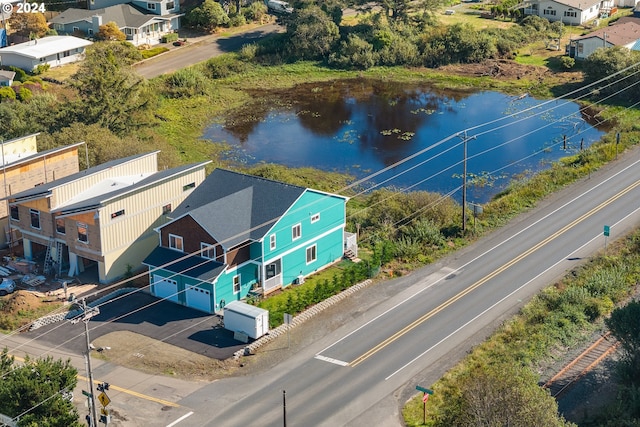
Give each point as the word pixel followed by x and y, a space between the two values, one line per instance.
pixel 133 393
pixel 485 279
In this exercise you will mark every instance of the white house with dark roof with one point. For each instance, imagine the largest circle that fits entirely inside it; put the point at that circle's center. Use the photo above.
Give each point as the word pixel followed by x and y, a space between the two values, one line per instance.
pixel 625 33
pixel 237 233
pixel 570 12
pixel 52 50
pixel 140 24
pixel 104 215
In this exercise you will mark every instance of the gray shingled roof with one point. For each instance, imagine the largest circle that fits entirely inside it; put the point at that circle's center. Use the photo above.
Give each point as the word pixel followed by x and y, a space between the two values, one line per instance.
pixel 196 267
pixel 124 15
pixel 618 35
pixel 119 190
pixel 45 189
pixel 234 207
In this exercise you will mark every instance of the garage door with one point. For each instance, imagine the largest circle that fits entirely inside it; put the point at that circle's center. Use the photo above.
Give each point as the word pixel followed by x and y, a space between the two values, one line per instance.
pixel 165 288
pixel 199 298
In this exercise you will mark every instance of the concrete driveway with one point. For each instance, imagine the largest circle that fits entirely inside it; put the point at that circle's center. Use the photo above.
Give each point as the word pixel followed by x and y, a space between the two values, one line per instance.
pixel 146 315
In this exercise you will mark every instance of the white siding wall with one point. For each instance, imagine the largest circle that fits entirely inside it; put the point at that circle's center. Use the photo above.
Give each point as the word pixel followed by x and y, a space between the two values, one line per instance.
pixel 129 238
pixel 588 47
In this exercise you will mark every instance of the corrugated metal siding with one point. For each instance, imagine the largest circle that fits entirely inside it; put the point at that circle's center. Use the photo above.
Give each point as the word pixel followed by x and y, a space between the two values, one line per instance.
pixel 128 239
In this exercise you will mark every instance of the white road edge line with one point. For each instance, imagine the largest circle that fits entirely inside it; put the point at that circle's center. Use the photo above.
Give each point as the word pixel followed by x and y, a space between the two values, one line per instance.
pixel 185 416
pixel 502 300
pixel 454 271
pixel 331 360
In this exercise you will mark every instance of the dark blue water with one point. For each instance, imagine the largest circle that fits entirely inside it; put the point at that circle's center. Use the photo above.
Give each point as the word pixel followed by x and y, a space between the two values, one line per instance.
pixel 360 127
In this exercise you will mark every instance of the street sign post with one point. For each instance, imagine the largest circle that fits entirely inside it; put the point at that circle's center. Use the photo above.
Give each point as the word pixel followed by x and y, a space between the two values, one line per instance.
pixel 606 233
pixel 104 399
pixel 427 392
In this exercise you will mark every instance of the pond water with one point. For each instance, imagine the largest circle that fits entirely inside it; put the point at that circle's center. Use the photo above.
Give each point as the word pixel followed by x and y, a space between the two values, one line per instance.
pixel 362 126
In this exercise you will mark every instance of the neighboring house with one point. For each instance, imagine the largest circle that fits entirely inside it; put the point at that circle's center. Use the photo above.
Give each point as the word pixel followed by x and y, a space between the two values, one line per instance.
pixel 138 23
pixel 569 12
pixel 52 50
pixel 238 233
pixel 625 33
pixel 104 215
pixel 6 77
pixel 23 167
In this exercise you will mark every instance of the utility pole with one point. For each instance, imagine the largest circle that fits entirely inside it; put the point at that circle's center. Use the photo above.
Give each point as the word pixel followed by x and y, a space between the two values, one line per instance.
pixel 465 139
pixel 85 317
pixel 284 407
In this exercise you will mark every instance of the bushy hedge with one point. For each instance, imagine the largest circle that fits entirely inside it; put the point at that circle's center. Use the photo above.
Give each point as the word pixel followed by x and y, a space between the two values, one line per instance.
pixel 169 38
pixel 153 52
pixel 299 298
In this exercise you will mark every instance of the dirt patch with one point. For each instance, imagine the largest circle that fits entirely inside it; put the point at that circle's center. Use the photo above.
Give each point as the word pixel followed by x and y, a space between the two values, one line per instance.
pixel 19 301
pixel 506 70
pixel 145 354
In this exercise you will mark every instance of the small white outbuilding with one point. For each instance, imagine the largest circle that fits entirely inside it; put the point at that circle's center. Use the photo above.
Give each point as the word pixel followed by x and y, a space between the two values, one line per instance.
pixel 52 50
pixel 246 318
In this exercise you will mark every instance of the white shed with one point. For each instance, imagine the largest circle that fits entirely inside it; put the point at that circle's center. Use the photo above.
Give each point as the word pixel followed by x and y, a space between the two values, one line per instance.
pixel 246 318
pixel 52 50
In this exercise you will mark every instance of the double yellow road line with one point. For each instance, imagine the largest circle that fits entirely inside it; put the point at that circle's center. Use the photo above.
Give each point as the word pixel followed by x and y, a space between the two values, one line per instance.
pixel 485 279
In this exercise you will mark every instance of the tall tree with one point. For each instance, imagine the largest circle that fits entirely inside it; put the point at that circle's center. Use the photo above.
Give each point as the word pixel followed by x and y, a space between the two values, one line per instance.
pixel 37 391
pixel 110 31
pixel 312 33
pixel 208 16
pixel 111 93
pixel 33 25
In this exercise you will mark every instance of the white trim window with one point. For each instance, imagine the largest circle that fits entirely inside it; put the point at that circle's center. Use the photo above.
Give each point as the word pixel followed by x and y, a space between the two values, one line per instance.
pixel 312 254
pixel 315 218
pixel 236 284
pixel 272 242
pixel 296 232
pixel 207 250
pixel 175 242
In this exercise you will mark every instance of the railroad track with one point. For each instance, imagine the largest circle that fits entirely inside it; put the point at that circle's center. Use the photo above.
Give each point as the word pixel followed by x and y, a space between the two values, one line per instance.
pixel 581 365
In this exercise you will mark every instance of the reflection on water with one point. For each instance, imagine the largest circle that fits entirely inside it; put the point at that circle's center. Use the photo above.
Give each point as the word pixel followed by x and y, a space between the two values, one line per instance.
pixel 361 126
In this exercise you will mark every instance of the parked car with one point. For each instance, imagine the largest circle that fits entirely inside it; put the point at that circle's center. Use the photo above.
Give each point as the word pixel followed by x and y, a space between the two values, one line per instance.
pixel 7 286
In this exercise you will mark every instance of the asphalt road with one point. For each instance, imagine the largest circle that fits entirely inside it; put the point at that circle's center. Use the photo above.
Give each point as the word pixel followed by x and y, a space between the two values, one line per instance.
pixel 201 51
pixel 346 378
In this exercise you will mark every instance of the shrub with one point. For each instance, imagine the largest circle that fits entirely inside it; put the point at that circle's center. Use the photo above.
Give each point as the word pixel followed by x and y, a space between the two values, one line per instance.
pixel 248 52
pixel 21 75
pixel 354 53
pixel 186 82
pixel 153 52
pixel 41 68
pixel 6 93
pixel 169 38
pixel 24 94
pixel 567 62
pixel 237 20
pixel 224 66
pixel 255 12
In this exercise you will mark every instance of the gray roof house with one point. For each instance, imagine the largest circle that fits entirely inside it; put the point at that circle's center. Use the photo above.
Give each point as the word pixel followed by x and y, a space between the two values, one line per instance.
pixel 140 24
pixel 570 12
pixel 625 32
pixel 52 50
pixel 237 233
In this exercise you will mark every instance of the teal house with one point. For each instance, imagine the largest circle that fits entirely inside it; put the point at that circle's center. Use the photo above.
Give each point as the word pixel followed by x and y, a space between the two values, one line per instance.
pixel 238 233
